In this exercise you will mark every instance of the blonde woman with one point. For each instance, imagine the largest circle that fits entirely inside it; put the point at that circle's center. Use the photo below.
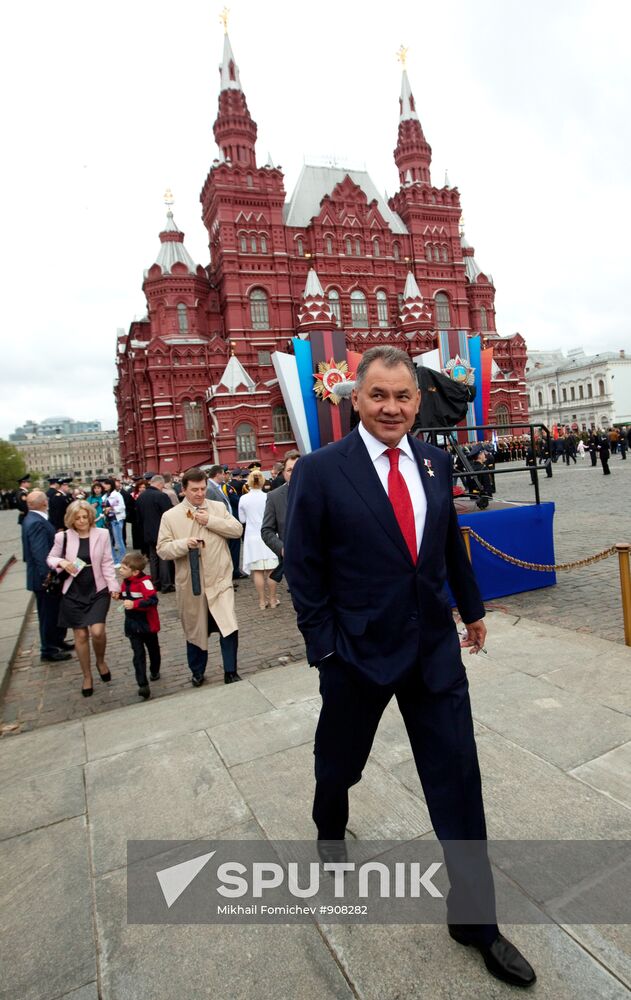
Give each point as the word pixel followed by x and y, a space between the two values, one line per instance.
pixel 257 558
pixel 84 552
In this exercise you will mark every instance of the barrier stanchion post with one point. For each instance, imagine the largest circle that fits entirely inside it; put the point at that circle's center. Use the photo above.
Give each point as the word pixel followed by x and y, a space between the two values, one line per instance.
pixel 623 549
pixel 466 535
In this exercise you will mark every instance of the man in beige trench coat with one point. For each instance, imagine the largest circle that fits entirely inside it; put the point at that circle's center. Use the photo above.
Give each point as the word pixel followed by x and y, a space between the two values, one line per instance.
pixel 198 529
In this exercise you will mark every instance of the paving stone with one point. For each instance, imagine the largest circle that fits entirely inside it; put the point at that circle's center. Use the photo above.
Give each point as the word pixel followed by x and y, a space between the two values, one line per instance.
pixel 11 627
pixel 87 992
pixel 47 938
pixel 289 684
pixel 610 774
pixel 553 723
pixel 279 791
pixel 40 800
pixel 237 962
pixel 421 962
pixel 175 789
pixel 609 944
pixel 266 733
pixel 56 748
pixel 200 708
pixel 526 798
pixel 605 675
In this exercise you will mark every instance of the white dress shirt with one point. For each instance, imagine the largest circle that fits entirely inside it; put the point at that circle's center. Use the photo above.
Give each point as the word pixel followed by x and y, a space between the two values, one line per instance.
pixel 408 469
pixel 42 513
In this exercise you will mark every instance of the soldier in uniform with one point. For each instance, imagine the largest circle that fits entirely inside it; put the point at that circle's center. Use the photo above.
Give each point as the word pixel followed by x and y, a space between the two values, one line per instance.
pixel 59 503
pixel 53 486
pixel 24 487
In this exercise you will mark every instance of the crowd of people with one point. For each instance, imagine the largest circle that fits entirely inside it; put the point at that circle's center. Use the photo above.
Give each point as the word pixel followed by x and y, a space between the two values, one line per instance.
pixel 85 548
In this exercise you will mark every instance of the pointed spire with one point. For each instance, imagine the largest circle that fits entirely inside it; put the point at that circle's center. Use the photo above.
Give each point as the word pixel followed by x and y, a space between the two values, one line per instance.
pixel 172 250
pixel 270 162
pixel 413 154
pixel 234 375
pixel 414 313
pixel 234 130
pixel 447 184
pixel 315 310
pixel 407 104
pixel 228 69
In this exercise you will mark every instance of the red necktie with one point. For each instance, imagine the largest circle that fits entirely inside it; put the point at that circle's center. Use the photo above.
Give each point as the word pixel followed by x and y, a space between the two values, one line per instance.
pixel 399 496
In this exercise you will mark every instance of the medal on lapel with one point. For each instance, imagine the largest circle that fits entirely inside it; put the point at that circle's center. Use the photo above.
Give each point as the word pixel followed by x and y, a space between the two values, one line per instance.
pixel 428 466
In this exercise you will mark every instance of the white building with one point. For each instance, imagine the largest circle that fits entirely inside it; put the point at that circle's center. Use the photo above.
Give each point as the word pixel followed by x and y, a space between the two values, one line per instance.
pixel 577 390
pixel 82 456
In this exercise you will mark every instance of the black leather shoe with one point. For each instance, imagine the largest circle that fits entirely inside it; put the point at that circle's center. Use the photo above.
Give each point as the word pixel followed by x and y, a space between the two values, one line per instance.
pixel 197 680
pixel 231 678
pixel 144 692
pixel 502 959
pixel 168 590
pixel 154 677
pixel 66 645
pixel 56 657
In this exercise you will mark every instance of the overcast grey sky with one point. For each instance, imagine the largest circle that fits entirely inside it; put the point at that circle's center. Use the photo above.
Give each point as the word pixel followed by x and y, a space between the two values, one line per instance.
pixel 105 106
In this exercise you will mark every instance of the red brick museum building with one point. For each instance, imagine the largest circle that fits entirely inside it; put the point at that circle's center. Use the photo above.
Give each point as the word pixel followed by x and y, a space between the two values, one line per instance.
pixel 195 381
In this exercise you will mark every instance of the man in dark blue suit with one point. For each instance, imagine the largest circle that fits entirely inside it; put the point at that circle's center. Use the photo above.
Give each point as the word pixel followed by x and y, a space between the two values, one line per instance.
pixel 38 535
pixel 371 541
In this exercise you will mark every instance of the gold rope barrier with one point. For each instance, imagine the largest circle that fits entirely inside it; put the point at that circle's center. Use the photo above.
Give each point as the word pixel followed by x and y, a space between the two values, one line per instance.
pixel 622 548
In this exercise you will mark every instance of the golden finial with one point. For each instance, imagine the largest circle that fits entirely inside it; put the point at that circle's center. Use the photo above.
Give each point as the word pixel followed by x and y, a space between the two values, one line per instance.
pixel 233 348
pixel 168 198
pixel 462 225
pixel 402 55
pixel 223 17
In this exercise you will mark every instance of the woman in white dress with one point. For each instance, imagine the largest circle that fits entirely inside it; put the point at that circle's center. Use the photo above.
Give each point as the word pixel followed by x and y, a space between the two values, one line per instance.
pixel 257 558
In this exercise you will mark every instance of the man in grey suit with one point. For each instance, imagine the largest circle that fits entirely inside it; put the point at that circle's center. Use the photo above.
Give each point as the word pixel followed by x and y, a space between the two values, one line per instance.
pixel 273 526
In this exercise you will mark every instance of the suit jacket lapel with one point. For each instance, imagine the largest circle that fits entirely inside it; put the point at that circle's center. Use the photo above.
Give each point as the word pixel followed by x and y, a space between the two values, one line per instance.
pixel 431 494
pixel 356 465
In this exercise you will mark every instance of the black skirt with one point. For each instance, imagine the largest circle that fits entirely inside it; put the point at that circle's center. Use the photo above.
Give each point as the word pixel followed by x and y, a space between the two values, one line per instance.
pixel 82 605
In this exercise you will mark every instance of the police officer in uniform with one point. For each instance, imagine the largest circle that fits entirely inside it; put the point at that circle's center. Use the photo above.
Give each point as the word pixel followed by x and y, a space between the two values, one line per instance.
pixel 59 503
pixel 24 488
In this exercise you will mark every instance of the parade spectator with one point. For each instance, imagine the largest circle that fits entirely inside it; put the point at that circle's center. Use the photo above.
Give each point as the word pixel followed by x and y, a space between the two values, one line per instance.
pixel 38 536
pixel 593 446
pixel 276 479
pixel 83 552
pixel 95 498
pixel 115 512
pixel 152 503
pixel 138 488
pixel 273 525
pixel 169 490
pixel 142 621
pixel 217 489
pixel 258 559
pixel 603 447
pixel 194 534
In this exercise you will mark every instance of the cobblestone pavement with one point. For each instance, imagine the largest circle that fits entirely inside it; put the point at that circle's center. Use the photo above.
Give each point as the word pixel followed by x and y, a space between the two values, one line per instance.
pixel 592 512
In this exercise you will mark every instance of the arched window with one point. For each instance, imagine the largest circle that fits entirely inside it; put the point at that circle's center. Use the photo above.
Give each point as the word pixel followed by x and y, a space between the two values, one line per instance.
pixel 300 249
pixel 444 249
pixel 359 309
pixel 501 416
pixel 281 425
pixel 382 308
pixel 246 442
pixel 539 399
pixel 443 312
pixel 259 309
pixel 396 251
pixel 193 413
pixel 358 247
pixel 580 392
pixel 428 251
pixel 601 387
pixel 572 392
pixel 263 243
pixel 436 253
pixel 334 303
pixel 243 243
pixel 253 243
pixel 182 318
pixel 554 396
pixel 328 243
pixel 589 390
pixel 347 246
pixel 483 319
pixel 376 249
pixel 249 181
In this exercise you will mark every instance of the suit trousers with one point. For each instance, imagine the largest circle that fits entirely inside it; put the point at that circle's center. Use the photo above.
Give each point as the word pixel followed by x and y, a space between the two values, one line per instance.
pixel 440 729
pixel 198 658
pixel 50 635
pixel 160 569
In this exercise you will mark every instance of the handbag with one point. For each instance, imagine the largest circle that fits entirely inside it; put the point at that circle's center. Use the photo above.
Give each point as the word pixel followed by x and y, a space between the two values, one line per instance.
pixel 53 581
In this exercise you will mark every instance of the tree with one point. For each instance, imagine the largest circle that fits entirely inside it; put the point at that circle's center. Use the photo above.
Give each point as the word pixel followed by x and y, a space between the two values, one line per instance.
pixel 11 466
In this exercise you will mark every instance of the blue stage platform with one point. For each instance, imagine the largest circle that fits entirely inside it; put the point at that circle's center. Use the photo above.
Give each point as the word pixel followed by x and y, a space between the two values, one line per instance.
pixel 524 532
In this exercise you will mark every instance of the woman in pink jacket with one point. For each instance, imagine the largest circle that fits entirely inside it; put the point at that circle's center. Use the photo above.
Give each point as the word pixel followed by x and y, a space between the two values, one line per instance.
pixel 86 591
